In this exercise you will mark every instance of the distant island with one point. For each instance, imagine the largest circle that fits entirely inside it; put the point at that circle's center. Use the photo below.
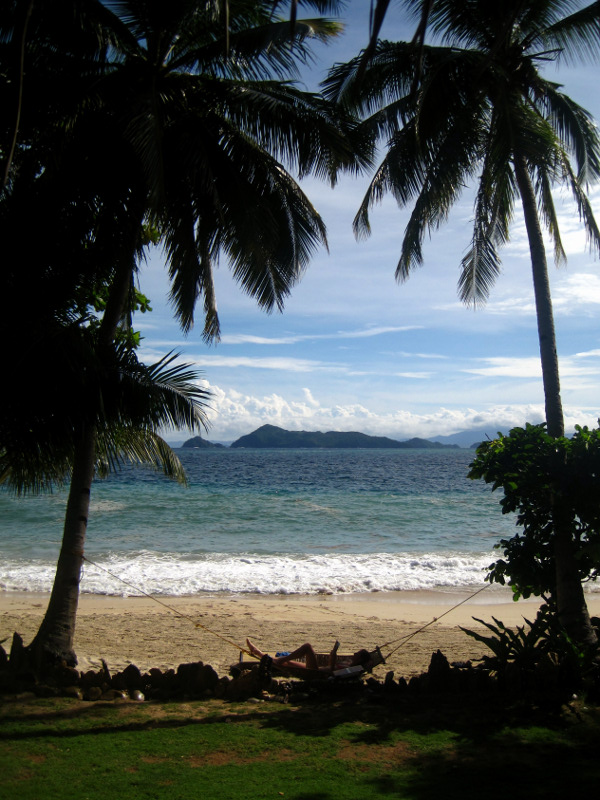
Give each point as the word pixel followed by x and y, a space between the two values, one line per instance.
pixel 197 442
pixel 270 436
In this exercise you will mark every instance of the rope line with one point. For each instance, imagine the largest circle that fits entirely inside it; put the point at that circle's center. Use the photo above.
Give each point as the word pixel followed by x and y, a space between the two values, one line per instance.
pixel 402 639
pixel 166 605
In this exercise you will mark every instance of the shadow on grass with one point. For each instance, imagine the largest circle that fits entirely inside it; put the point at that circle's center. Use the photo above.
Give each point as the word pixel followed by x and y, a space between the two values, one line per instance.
pixel 417 749
pixel 475 718
pixel 501 767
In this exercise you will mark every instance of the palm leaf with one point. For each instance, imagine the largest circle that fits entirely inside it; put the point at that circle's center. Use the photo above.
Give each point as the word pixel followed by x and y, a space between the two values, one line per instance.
pixel 576 36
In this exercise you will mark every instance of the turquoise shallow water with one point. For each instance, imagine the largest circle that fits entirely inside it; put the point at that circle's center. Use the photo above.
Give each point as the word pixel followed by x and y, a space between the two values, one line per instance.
pixel 270 521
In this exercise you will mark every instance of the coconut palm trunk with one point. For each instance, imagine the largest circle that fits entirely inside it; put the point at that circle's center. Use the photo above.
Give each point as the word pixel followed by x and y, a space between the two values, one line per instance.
pixel 53 642
pixel 569 596
pixel 543 302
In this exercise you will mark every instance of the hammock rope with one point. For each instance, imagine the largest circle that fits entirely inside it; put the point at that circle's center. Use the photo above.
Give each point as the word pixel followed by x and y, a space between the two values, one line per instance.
pixel 407 637
pixel 402 639
pixel 175 611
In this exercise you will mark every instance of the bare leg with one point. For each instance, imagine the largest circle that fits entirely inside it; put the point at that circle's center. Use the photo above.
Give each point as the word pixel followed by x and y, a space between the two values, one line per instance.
pixel 254 649
pixel 305 651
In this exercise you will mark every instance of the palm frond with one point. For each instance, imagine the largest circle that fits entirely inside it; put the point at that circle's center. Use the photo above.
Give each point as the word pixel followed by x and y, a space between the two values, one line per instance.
pixel 127 445
pixel 390 76
pixel 576 130
pixel 255 53
pixel 586 214
pixel 493 213
pixel 576 36
pixel 85 384
pixel 547 209
pixel 480 267
pixel 255 213
pixel 299 129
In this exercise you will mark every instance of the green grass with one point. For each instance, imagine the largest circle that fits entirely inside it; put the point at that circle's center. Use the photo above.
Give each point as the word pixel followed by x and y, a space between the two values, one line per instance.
pixel 344 750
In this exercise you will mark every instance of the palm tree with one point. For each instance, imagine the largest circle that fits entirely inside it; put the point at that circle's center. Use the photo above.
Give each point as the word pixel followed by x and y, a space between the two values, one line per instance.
pixel 137 114
pixel 134 403
pixel 476 108
pixel 165 119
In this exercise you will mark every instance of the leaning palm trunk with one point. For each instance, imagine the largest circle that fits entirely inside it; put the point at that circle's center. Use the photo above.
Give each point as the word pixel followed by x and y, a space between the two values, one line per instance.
pixel 569 596
pixel 54 640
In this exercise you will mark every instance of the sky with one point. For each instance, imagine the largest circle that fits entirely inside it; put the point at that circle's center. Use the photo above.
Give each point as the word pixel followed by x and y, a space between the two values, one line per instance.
pixel 356 351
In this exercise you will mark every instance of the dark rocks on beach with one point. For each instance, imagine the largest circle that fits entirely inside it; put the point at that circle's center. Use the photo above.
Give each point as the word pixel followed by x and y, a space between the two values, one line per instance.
pixel 439 674
pixel 130 678
pixel 197 680
pixel 93 693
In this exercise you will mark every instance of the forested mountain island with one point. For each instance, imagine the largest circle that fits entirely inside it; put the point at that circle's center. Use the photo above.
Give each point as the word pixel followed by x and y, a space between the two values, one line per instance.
pixel 197 443
pixel 270 436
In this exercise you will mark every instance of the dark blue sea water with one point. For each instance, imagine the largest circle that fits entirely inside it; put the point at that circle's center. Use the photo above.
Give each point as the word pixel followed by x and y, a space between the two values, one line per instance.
pixel 270 521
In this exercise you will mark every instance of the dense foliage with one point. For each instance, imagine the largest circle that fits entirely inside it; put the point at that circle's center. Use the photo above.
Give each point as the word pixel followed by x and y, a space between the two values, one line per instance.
pixel 537 473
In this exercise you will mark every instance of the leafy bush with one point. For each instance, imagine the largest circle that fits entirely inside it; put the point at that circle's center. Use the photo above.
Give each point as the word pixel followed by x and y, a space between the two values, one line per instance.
pixel 538 472
pixel 530 654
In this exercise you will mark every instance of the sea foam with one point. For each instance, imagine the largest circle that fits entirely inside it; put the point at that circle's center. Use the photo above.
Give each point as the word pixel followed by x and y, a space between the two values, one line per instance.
pixel 171 575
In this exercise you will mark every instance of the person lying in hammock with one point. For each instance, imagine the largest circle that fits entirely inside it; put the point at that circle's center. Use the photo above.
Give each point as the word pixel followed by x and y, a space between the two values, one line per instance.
pixel 307 652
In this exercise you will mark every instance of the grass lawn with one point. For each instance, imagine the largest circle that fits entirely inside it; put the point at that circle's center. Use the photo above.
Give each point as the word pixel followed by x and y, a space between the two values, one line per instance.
pixel 346 749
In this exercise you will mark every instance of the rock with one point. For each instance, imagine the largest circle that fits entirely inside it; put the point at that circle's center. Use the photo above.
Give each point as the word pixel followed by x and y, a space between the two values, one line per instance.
pixel 72 691
pixel 130 678
pixel 93 693
pixel 439 673
pixel 18 656
pixel 91 678
pixel 113 694
pixel 105 671
pixel 196 678
pixel 67 676
pixel 136 695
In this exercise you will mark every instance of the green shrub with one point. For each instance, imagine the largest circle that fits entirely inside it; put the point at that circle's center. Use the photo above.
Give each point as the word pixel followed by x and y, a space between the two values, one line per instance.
pixel 536 472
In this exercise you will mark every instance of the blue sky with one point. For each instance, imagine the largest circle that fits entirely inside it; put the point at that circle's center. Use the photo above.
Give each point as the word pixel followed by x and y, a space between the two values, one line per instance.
pixel 354 350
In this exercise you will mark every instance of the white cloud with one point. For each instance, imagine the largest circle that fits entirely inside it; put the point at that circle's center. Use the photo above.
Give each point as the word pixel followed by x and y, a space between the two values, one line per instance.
pixel 234 414
pixel 280 364
pixel 309 398
pixel 404 354
pixel 582 288
pixel 525 368
pixel 507 368
pixel 244 338
pixel 588 354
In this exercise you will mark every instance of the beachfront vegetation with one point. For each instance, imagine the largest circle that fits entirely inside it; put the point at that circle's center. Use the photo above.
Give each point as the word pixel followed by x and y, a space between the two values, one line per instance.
pixel 320 748
pixel 474 108
pixel 535 472
pixel 171 117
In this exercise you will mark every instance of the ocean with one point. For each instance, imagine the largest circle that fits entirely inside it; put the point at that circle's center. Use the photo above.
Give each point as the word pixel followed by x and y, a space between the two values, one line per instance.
pixel 269 522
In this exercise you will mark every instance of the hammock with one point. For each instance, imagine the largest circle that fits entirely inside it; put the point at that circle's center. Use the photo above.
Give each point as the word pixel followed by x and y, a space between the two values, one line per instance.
pixel 344 667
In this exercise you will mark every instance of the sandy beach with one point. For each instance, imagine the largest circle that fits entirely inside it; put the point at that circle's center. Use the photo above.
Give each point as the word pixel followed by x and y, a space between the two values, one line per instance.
pixel 170 631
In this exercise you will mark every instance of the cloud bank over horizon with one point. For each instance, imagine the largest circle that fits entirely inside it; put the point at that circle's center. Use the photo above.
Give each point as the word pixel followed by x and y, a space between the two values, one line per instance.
pixel 233 414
